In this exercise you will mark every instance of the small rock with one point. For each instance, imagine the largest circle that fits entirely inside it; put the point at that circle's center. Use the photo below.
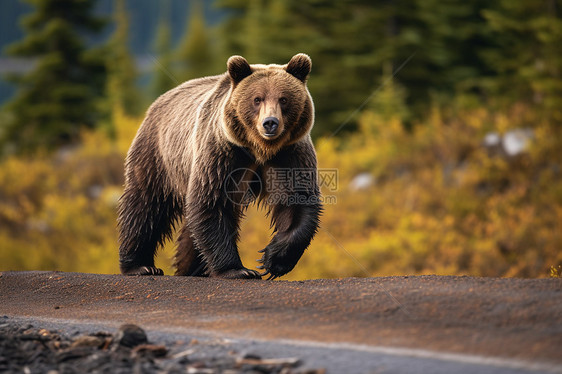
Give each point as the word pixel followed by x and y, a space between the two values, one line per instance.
pixel 130 335
pixel 517 141
pixel 72 354
pixel 183 354
pixel 268 362
pixel 251 356
pixel 88 341
pixel 150 350
pixel 362 181
pixel 102 334
pixel 309 371
pixel 492 139
pixel 192 370
pixel 44 332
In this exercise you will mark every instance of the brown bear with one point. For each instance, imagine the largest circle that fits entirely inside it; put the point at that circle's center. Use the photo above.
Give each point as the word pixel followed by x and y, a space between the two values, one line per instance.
pixel 248 131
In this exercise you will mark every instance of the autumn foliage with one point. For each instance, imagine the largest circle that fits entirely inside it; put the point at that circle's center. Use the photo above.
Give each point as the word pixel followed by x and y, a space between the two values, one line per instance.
pixel 439 202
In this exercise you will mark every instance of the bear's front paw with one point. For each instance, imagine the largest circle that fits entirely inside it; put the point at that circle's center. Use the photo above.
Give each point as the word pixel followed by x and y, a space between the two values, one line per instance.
pixel 276 263
pixel 275 270
pixel 144 270
pixel 238 274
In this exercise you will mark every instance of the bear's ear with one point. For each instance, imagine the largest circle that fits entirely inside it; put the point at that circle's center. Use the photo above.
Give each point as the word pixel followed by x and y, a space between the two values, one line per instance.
pixel 238 68
pixel 299 66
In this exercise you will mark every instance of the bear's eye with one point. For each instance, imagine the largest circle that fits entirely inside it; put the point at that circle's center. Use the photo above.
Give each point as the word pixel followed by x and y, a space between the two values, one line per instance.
pixel 257 101
pixel 283 101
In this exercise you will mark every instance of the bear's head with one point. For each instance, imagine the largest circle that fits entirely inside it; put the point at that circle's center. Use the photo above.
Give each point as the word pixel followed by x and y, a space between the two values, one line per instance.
pixel 269 105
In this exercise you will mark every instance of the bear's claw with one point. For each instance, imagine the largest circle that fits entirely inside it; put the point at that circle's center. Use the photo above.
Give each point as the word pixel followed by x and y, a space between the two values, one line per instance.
pixel 271 276
pixel 145 270
pixel 274 267
pixel 238 274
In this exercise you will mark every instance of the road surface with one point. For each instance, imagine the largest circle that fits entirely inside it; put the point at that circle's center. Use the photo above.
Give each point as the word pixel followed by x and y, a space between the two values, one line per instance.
pixel 462 323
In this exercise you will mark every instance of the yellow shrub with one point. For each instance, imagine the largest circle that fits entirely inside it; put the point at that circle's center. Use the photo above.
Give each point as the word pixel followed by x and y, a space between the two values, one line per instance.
pixel 440 203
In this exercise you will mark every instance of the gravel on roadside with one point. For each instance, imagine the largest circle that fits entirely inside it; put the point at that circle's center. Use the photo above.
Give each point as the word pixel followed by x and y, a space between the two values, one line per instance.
pixel 25 348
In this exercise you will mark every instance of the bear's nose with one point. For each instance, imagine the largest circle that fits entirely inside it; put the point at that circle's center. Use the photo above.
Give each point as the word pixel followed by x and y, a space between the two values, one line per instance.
pixel 270 125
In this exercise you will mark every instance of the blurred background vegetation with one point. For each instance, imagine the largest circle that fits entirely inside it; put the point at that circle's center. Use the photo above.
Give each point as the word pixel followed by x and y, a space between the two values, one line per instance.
pixel 443 119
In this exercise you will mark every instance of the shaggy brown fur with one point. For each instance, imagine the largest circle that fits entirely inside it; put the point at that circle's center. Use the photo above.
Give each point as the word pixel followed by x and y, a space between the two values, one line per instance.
pixel 209 136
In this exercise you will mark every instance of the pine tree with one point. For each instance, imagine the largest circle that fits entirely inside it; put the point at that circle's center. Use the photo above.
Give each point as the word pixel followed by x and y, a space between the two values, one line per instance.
pixel 122 74
pixel 231 42
pixel 163 79
pixel 527 58
pixel 62 92
pixel 430 46
pixel 194 56
pixel 254 38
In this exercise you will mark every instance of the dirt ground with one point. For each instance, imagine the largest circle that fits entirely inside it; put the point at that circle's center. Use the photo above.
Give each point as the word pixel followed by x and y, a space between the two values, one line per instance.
pixel 506 318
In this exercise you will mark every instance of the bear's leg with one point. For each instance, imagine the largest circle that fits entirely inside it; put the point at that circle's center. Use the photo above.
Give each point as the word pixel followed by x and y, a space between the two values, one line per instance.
pixel 295 226
pixel 146 219
pixel 188 259
pixel 215 233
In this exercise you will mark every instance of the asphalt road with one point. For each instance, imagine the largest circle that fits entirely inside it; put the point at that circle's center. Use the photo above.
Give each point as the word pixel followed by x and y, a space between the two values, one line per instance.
pixel 372 325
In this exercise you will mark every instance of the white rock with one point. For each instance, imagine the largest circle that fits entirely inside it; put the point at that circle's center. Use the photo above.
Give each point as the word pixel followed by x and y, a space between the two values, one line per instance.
pixel 516 141
pixel 492 139
pixel 362 181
